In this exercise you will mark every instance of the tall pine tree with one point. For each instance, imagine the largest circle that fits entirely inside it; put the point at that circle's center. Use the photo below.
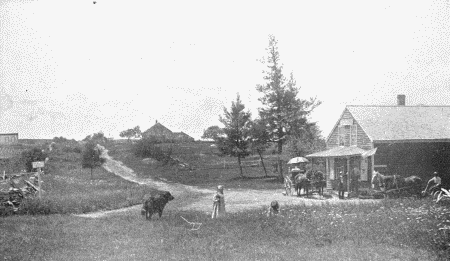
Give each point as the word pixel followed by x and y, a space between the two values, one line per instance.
pixel 284 112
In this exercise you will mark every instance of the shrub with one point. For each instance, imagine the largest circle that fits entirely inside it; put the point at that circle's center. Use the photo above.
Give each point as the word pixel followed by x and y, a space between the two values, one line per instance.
pixel 36 206
pixel 148 148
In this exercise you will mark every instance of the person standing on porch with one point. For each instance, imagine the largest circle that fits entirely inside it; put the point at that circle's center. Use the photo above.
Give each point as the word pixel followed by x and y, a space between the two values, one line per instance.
pixel 356 176
pixel 341 187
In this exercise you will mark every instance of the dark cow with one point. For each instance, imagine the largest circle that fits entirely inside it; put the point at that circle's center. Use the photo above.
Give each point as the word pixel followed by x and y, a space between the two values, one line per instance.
pixel 156 204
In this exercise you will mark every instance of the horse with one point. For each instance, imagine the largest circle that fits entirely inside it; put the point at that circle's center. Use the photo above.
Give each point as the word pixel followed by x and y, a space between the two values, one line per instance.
pixel 387 182
pixel 317 181
pixel 412 184
pixel 302 181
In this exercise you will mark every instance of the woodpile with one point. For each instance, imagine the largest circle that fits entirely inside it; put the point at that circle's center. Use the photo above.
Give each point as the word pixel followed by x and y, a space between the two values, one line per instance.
pixel 14 190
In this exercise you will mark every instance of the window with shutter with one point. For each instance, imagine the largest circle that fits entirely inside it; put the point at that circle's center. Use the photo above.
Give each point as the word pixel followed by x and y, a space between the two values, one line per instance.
pixel 341 135
pixel 354 135
pixel 346 135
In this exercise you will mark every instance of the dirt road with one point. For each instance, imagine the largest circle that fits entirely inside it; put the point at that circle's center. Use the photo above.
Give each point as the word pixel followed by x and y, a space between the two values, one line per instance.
pixel 201 199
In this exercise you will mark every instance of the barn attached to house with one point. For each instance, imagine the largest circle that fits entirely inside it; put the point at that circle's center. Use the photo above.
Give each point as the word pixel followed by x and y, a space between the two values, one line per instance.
pixel 402 140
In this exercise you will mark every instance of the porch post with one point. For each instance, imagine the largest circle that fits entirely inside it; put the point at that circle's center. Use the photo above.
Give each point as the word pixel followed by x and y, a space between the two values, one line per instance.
pixel 348 177
pixel 327 171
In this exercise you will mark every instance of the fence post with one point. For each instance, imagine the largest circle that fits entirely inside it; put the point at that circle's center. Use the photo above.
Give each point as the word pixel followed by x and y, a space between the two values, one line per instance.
pixel 39 182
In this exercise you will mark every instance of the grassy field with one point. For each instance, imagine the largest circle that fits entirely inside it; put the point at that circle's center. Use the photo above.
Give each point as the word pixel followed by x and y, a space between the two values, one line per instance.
pixel 401 229
pixel 70 189
pixel 209 170
pixel 397 230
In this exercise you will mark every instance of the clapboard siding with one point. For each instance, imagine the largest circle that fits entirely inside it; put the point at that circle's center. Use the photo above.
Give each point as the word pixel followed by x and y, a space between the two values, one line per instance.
pixel 363 140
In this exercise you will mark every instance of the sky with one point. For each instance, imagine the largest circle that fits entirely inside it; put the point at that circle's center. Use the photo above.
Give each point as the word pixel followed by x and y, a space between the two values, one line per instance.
pixel 72 68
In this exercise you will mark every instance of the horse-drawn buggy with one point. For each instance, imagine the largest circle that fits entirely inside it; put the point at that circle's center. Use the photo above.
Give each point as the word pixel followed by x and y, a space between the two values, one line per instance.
pixel 392 186
pixel 298 179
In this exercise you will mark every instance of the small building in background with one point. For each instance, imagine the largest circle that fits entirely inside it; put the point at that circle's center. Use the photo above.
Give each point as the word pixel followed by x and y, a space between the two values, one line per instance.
pixel 9 138
pixel 164 134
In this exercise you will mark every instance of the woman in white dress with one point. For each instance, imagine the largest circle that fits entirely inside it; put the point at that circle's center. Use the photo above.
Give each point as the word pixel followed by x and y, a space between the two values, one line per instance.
pixel 218 203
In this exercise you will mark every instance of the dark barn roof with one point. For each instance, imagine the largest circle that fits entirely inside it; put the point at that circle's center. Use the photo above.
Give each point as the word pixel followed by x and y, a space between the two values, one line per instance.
pixel 159 130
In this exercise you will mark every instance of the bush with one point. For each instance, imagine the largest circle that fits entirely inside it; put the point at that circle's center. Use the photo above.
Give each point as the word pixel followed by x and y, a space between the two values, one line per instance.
pixel 36 206
pixel 147 148
pixel 68 149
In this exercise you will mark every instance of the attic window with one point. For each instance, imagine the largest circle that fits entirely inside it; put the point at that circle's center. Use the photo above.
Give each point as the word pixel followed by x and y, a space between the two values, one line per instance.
pixel 346 122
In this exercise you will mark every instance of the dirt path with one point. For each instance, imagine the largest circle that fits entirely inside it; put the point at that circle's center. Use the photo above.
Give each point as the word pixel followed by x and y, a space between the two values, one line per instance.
pixel 236 199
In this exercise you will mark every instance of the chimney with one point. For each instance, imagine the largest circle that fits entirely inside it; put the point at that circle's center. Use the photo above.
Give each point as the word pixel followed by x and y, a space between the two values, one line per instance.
pixel 156 121
pixel 401 98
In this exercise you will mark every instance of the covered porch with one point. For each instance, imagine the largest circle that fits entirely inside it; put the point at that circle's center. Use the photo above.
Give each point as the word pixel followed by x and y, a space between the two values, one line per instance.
pixel 346 161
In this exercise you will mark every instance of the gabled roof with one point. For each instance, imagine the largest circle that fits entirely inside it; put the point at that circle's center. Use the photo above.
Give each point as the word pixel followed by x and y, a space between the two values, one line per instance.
pixel 395 123
pixel 158 129
pixel 182 135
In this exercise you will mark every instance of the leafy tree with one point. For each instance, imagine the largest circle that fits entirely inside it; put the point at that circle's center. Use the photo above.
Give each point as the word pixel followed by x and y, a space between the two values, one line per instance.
pixel 259 139
pixel 59 139
pixel 32 155
pixel 285 113
pixel 213 132
pixel 131 133
pixel 137 132
pixel 92 156
pixel 237 131
pixel 98 137
pixel 308 142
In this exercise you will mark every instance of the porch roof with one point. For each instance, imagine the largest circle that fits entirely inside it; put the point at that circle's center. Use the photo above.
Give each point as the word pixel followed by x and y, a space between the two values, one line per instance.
pixel 338 152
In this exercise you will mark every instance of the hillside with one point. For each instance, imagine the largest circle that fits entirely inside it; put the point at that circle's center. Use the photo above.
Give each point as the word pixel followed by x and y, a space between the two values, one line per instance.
pixel 208 166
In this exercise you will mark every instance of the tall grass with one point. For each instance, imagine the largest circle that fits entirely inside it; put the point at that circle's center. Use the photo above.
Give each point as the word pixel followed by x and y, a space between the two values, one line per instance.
pixel 69 189
pixel 393 230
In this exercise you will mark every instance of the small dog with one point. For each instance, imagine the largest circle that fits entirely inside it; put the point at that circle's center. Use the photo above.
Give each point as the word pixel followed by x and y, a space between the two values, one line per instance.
pixel 156 204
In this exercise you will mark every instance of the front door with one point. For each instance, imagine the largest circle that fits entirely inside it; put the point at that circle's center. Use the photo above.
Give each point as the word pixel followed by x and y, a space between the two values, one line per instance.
pixel 340 168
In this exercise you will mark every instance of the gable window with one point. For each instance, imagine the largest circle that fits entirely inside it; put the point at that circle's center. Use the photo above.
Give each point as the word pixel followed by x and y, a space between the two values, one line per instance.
pixel 348 135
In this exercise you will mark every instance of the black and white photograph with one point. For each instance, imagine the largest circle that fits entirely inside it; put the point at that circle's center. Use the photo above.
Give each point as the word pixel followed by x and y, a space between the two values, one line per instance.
pixel 233 130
